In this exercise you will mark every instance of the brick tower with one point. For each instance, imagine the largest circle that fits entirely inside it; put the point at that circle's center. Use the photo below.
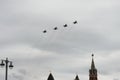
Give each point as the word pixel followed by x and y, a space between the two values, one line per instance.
pixel 93 70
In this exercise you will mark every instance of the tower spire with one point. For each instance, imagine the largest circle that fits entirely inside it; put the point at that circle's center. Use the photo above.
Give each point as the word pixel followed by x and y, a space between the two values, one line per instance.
pixel 92 64
pixel 50 77
pixel 76 78
pixel 93 70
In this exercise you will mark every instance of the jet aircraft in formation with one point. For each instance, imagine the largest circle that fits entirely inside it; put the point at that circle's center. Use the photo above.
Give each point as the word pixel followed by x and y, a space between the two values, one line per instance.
pixel 65 25
pixel 75 22
pixel 55 28
pixel 44 31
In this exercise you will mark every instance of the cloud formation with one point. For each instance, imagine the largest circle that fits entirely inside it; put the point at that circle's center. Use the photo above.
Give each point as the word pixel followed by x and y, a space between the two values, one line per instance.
pixel 66 51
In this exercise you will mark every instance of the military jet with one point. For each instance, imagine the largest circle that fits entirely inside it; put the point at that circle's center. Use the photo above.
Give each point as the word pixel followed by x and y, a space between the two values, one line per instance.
pixel 44 31
pixel 75 22
pixel 65 25
pixel 55 28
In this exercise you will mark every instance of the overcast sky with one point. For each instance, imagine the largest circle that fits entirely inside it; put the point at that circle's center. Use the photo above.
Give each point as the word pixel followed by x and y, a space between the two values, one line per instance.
pixel 66 51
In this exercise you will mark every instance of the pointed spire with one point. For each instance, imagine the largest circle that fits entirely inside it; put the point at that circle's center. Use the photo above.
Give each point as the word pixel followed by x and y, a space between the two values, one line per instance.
pixel 92 64
pixel 93 70
pixel 76 78
pixel 50 77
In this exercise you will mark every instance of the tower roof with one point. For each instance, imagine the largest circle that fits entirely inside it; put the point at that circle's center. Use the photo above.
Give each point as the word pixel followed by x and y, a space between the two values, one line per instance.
pixel 92 64
pixel 76 78
pixel 50 77
pixel 93 70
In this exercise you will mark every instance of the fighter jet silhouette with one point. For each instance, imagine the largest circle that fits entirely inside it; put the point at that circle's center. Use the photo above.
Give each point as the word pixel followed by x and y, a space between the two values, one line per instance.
pixel 75 22
pixel 55 28
pixel 65 25
pixel 44 31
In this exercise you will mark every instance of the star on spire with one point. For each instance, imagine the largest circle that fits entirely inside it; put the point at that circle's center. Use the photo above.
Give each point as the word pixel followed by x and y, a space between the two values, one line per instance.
pixel 92 55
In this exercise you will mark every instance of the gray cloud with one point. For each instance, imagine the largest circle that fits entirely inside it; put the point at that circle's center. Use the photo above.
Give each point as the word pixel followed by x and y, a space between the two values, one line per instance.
pixel 67 50
pixel 18 77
